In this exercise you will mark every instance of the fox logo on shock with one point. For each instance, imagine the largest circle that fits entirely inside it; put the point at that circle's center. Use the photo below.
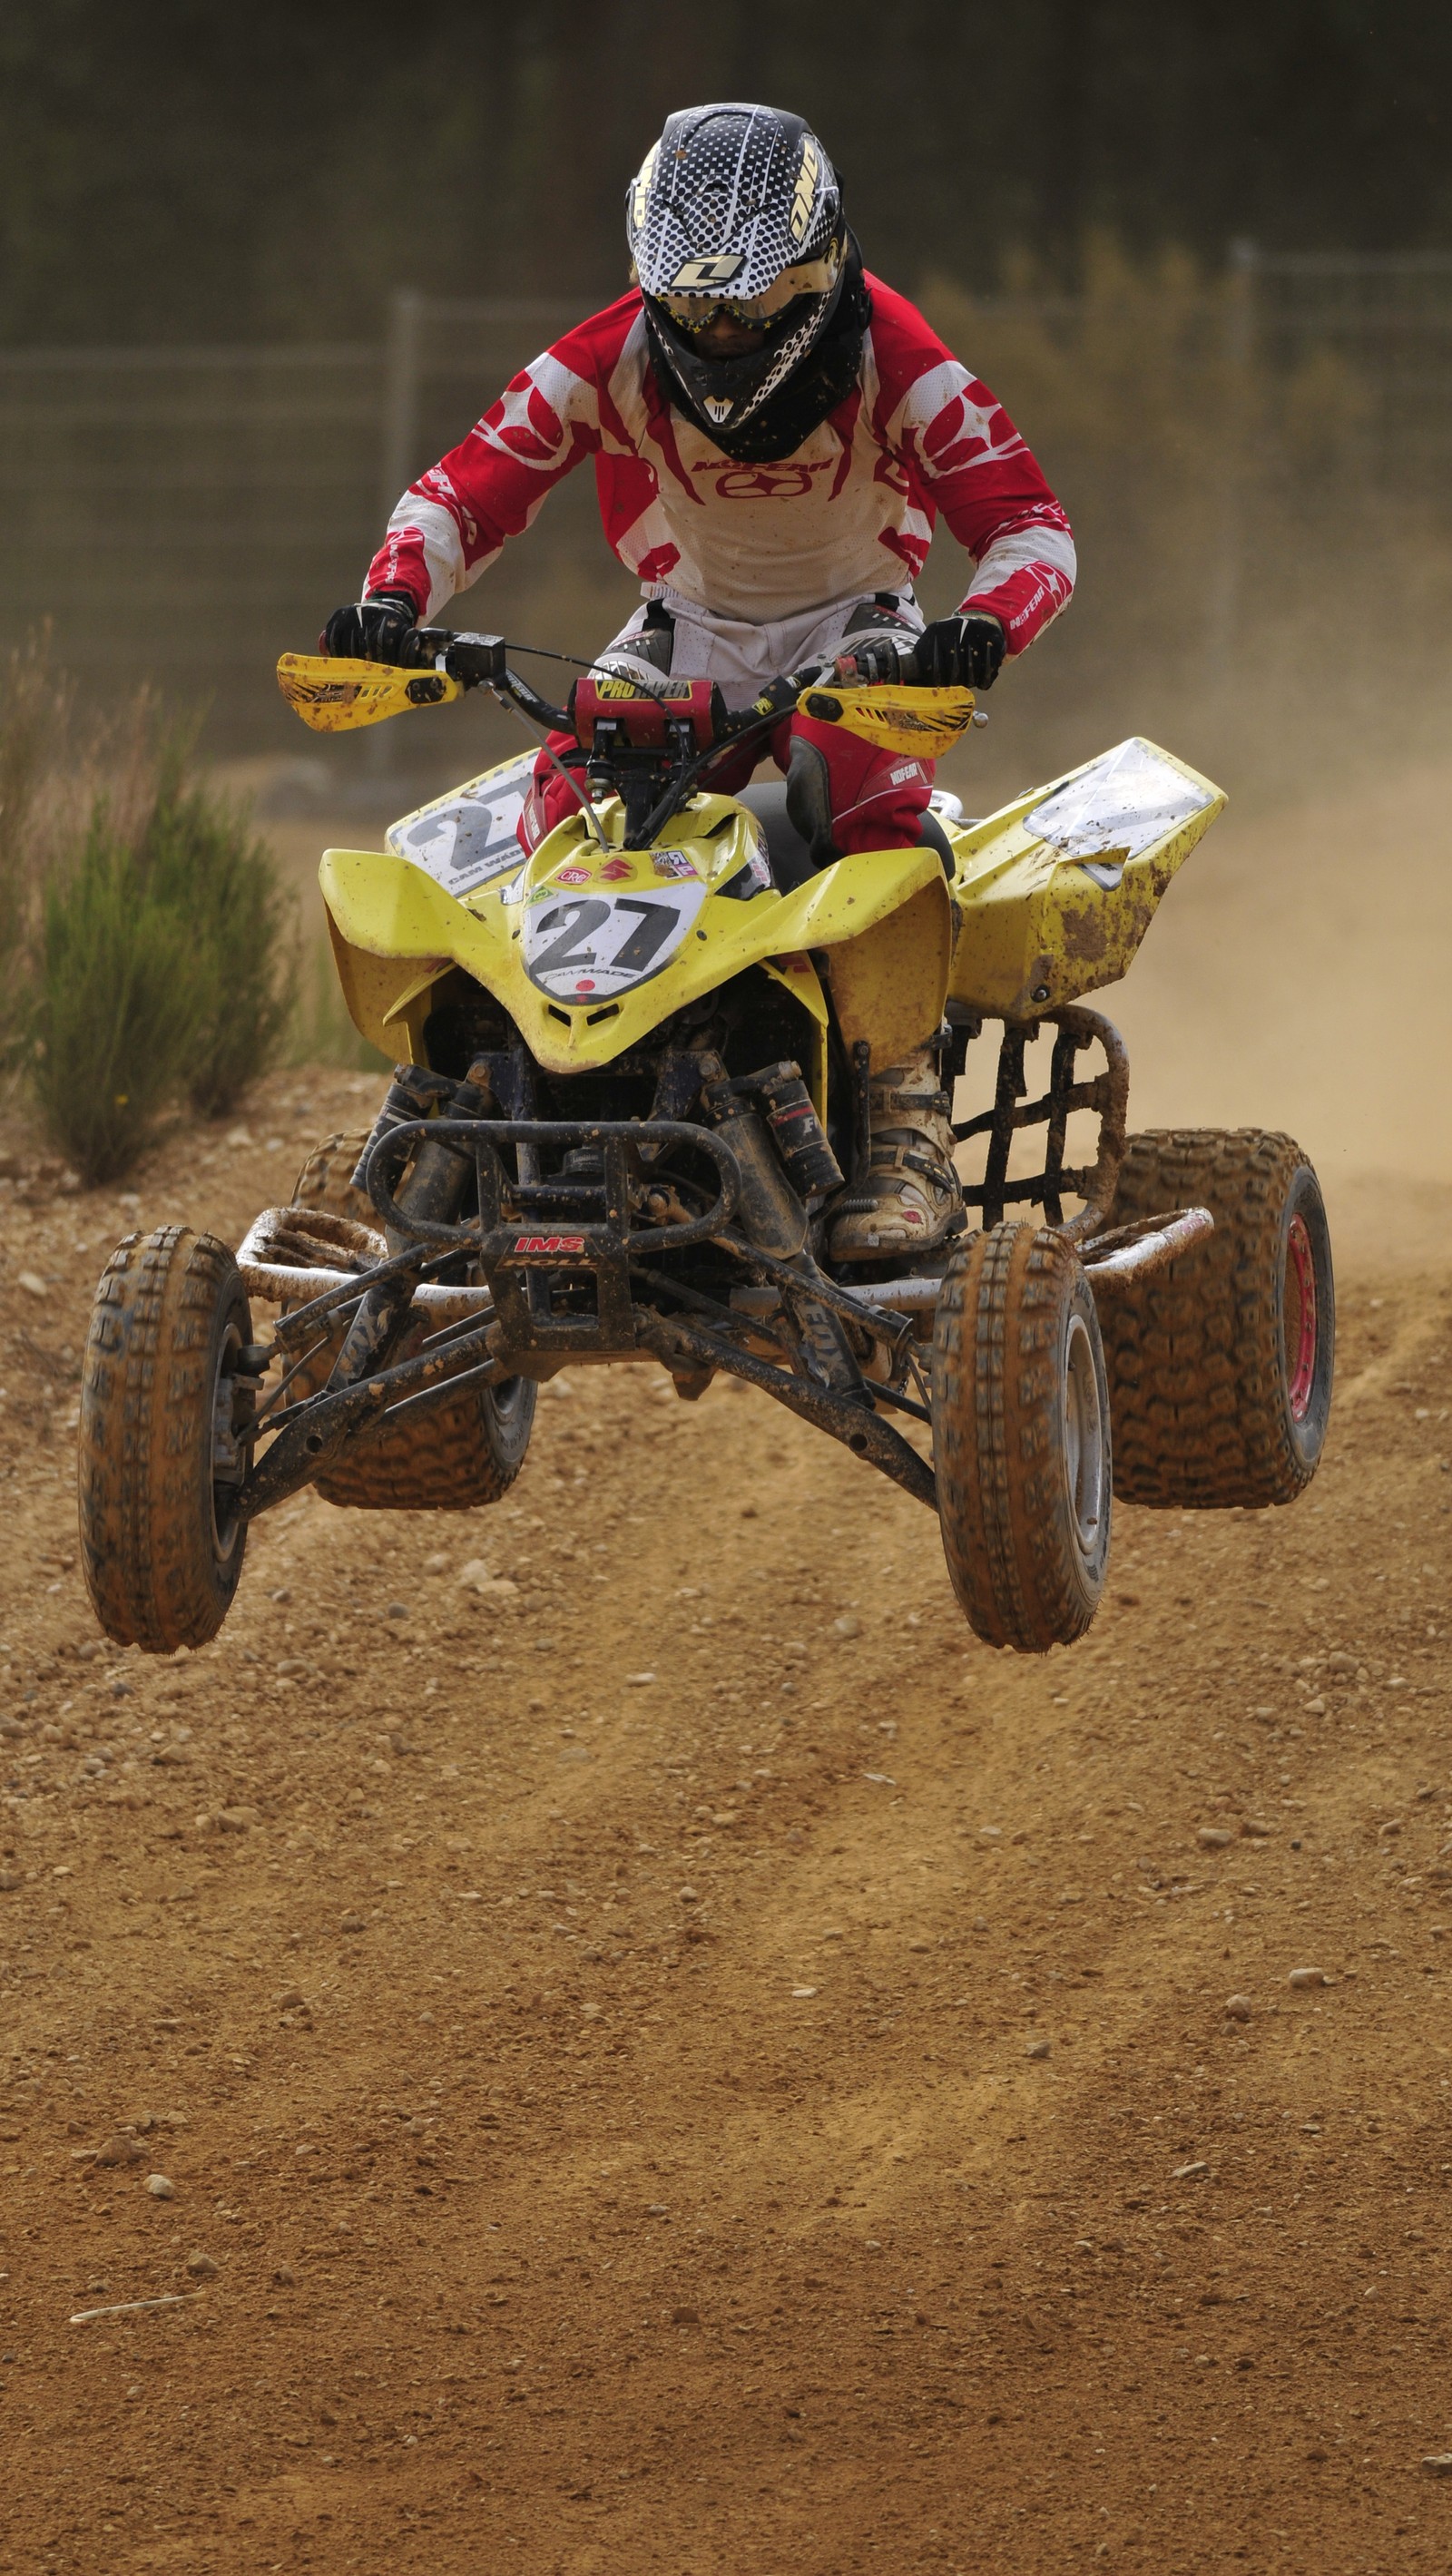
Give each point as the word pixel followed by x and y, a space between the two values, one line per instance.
pixel 549 1243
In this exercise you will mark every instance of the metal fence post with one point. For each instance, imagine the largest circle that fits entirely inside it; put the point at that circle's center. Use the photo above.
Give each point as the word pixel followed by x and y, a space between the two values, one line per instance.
pixel 400 392
pixel 401 370
pixel 1237 353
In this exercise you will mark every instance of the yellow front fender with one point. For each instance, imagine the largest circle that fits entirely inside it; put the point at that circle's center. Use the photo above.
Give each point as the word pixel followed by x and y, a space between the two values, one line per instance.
pixel 884 914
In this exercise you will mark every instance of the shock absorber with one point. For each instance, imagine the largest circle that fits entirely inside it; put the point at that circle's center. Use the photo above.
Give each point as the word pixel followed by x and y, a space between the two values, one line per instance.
pixel 801 1139
pixel 772 1216
pixel 433 1189
pixel 769 1211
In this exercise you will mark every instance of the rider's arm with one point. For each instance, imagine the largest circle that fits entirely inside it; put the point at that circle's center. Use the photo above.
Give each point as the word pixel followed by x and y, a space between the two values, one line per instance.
pixel 455 519
pixel 968 461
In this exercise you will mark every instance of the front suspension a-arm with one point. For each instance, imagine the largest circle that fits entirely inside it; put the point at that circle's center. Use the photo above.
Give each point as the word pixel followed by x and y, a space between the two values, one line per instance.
pixel 840 1416
pixel 332 1421
pixel 434 1190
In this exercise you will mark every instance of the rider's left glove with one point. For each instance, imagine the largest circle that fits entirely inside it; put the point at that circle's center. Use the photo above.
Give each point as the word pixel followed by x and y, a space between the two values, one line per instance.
pixel 379 629
pixel 962 652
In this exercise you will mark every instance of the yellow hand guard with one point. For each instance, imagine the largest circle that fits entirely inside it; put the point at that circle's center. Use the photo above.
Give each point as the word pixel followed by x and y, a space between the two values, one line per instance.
pixel 921 723
pixel 337 696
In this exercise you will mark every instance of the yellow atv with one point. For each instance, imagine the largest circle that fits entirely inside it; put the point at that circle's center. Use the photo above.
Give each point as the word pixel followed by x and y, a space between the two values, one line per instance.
pixel 635 1081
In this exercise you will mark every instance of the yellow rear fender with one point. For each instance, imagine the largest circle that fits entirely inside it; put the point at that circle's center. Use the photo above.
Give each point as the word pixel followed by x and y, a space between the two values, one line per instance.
pixel 1056 891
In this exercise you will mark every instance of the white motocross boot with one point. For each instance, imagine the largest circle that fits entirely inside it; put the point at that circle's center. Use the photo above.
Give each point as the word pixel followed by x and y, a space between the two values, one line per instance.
pixel 911 1195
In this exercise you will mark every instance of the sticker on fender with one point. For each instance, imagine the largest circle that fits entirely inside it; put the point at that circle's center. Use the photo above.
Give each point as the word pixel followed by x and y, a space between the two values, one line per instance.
pixel 593 946
pixel 466 840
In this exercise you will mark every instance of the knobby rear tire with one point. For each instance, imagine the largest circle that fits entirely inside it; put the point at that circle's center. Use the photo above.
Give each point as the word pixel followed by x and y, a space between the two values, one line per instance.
pixel 326 1178
pixel 161 1545
pixel 1221 1366
pixel 450 1455
pixel 1021 1438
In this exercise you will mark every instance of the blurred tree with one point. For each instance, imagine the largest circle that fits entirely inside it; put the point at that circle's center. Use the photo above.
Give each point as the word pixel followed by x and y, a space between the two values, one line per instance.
pixel 172 170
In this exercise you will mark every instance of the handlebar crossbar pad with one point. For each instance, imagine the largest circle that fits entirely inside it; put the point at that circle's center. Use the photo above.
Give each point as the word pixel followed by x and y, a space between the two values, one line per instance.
pixel 643 720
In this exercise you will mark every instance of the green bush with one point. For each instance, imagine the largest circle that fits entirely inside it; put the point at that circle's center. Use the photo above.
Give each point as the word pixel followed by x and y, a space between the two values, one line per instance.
pixel 118 1006
pixel 162 963
pixel 201 862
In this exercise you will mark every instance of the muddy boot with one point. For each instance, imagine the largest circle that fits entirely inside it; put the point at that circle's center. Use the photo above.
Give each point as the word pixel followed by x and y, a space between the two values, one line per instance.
pixel 911 1199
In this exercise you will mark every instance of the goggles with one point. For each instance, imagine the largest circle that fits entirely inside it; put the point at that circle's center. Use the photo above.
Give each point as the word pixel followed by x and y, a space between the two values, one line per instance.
pixel 754 312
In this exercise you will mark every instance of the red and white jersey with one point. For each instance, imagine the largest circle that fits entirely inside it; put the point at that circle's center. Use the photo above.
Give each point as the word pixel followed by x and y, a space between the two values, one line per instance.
pixel 851 513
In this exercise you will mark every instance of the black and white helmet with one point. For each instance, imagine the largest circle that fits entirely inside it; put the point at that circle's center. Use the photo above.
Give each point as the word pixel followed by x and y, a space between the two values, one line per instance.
pixel 736 208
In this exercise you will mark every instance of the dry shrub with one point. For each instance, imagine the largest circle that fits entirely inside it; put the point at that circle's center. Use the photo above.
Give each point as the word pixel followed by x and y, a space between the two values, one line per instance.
pixel 117 1007
pixel 146 944
pixel 202 863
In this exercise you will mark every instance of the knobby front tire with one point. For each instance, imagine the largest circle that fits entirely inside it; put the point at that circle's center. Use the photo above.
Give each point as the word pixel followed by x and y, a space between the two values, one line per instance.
pixel 1021 1438
pixel 159 1457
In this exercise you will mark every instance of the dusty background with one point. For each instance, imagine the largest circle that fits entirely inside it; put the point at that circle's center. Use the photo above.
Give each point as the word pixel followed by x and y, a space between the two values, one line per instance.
pixel 696 2065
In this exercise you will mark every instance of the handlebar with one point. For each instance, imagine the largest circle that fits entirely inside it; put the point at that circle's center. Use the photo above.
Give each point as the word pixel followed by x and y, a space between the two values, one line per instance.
pixel 481 661
pixel 640 737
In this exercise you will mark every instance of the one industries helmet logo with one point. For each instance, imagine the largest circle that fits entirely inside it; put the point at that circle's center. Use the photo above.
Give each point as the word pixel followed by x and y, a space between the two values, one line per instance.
pixel 698 273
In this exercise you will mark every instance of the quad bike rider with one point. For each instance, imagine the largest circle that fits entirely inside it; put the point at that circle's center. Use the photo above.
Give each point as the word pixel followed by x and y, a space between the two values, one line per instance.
pixel 774 433
pixel 680 1051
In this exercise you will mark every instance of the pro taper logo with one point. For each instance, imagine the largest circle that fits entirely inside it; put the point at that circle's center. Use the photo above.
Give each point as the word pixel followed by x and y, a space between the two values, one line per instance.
pixel 806 190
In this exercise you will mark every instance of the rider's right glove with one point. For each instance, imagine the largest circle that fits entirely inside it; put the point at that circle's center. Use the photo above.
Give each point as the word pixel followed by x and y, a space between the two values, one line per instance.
pixel 379 629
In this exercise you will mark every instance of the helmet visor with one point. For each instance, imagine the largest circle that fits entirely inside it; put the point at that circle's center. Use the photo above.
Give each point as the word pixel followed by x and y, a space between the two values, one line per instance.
pixel 695 311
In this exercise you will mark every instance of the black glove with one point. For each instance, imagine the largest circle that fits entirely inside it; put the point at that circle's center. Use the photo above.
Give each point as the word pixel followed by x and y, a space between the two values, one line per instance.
pixel 962 652
pixel 884 658
pixel 379 629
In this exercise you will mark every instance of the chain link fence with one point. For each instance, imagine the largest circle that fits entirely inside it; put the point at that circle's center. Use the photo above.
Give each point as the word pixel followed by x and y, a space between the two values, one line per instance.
pixel 184 514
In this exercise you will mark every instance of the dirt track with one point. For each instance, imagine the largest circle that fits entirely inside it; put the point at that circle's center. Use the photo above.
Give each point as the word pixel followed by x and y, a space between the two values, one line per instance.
pixel 694 2067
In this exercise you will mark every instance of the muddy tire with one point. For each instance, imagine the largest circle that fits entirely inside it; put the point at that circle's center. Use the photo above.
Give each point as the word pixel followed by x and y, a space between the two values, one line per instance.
pixel 448 1456
pixel 161 1542
pixel 1220 1367
pixel 326 1178
pixel 1021 1438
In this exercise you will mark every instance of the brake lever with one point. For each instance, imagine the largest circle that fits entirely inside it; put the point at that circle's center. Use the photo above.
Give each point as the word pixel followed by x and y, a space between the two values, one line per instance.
pixel 481 662
pixel 878 665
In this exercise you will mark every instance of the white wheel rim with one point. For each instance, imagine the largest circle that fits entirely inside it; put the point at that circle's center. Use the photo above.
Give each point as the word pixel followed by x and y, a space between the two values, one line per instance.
pixel 1084 1460
pixel 511 1394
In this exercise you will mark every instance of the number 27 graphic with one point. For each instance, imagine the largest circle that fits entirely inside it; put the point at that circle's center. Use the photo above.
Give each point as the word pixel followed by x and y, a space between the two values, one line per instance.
pixel 577 923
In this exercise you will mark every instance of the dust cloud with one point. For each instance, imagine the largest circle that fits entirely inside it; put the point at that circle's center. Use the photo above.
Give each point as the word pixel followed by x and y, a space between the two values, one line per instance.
pixel 1296 977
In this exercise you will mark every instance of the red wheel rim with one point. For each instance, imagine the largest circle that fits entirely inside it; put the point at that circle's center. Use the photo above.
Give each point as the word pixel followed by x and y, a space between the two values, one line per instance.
pixel 1300 1318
